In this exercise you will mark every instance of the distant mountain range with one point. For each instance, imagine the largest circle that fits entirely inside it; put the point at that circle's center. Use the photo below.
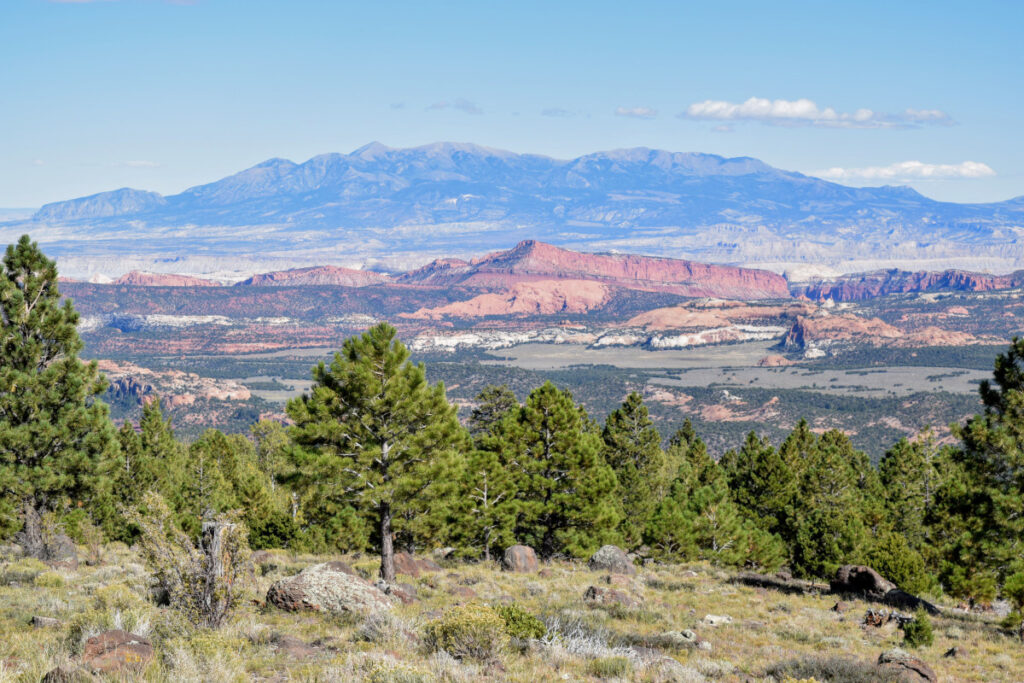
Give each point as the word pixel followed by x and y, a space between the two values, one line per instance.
pixel 398 208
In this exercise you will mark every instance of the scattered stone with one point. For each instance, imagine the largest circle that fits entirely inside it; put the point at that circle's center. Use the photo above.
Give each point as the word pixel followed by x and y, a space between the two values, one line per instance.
pixel 881 617
pixel 717 619
pixel 607 596
pixel 292 646
pixel 266 561
pixel 117 651
pixel 620 580
pixel 66 674
pixel 60 553
pixel 912 668
pixel 957 652
pixel 521 559
pixel 462 592
pixel 682 639
pixel 689 574
pixel 409 565
pixel 613 559
pixel 45 622
pixel 444 553
pixel 329 588
pixel 403 592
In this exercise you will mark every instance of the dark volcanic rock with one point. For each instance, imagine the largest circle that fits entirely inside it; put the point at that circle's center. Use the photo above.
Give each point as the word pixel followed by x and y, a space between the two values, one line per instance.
pixel 861 580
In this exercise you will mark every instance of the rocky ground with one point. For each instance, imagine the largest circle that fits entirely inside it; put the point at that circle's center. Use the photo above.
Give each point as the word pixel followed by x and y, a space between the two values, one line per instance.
pixel 600 622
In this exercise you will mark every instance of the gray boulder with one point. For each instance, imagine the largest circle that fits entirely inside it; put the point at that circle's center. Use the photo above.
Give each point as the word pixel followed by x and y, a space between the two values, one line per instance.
pixel 328 588
pixel 908 667
pixel 521 559
pixel 611 558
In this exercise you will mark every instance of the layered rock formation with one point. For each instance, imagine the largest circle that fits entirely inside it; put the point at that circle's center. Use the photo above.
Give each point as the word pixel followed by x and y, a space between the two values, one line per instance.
pixel 862 286
pixel 317 275
pixel 543 297
pixel 142 279
pixel 531 260
pixel 174 387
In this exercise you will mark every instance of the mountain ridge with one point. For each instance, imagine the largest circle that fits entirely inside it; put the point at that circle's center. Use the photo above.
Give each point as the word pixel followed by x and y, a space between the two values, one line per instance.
pixel 395 208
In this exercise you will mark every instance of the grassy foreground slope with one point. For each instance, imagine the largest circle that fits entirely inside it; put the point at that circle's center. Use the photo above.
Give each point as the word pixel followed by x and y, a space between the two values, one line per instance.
pixel 769 633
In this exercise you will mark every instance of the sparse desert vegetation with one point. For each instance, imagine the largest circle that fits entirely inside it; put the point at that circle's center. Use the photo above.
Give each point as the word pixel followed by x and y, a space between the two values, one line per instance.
pixel 666 636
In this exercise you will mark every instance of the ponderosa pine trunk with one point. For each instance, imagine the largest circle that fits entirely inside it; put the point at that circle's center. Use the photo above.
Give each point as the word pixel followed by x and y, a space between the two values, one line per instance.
pixel 30 538
pixel 387 548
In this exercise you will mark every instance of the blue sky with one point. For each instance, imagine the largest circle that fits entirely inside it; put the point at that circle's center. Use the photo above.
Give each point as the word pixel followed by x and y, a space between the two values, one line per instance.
pixel 163 95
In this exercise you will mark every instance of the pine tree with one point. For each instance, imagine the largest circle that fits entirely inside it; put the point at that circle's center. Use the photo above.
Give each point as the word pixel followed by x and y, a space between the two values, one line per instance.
pixel 150 459
pixel 567 495
pixel 493 403
pixel 632 447
pixel 981 504
pixel 700 519
pixel 222 475
pixel 490 501
pixel 272 444
pixel 56 439
pixel 373 434
pixel 910 479
pixel 828 527
pixel 762 482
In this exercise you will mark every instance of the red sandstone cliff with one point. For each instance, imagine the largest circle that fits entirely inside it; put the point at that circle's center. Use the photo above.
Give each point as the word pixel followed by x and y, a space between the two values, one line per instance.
pixel 531 260
pixel 881 283
pixel 317 275
pixel 541 297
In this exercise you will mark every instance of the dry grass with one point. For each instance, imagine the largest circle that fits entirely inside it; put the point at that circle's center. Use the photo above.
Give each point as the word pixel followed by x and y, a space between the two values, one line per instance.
pixel 768 630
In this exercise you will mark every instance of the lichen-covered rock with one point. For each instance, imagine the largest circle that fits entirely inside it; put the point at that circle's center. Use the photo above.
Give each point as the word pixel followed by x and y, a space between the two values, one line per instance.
pixel 331 587
pixel 117 651
pixel 912 669
pixel 611 558
pixel 520 558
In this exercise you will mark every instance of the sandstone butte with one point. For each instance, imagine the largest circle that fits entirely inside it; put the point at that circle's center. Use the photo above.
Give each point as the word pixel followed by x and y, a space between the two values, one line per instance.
pixel 541 297
pixel 881 283
pixel 849 327
pixel 532 260
pixel 317 275
pixel 700 315
pixel 142 279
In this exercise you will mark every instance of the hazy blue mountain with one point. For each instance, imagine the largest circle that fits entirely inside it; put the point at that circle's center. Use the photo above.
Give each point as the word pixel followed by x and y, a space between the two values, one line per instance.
pixel 448 195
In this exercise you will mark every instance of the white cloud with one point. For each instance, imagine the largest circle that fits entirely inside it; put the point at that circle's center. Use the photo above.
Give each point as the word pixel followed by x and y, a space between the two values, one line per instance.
pixel 461 104
pixel 805 112
pixel 637 112
pixel 909 170
pixel 556 112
